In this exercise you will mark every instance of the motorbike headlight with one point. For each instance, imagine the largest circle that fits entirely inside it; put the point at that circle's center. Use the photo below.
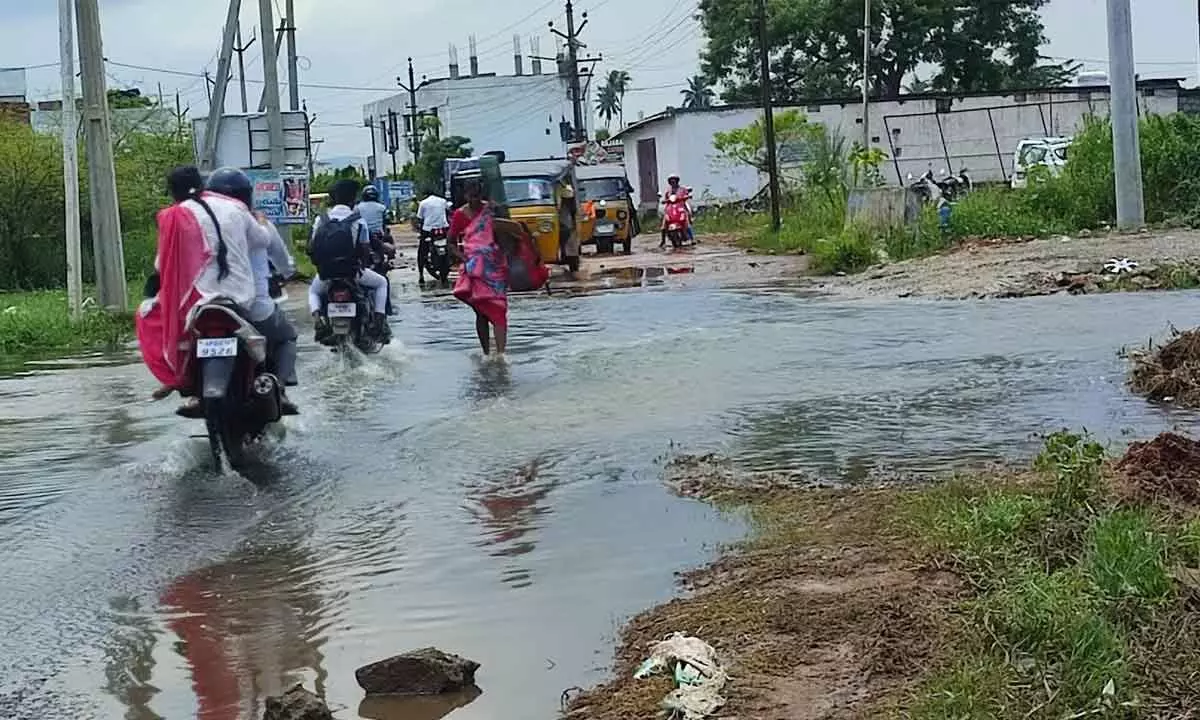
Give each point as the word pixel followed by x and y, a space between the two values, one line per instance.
pixel 546 226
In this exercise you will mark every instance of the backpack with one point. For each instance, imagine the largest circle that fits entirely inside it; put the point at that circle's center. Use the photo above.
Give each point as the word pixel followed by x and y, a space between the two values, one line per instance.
pixel 334 247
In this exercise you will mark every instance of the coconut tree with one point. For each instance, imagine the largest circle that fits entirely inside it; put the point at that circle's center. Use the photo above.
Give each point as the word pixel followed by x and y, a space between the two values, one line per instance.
pixel 608 103
pixel 619 81
pixel 698 95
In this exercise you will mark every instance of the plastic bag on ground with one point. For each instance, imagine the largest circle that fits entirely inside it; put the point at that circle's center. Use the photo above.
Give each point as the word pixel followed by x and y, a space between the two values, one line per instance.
pixel 699 676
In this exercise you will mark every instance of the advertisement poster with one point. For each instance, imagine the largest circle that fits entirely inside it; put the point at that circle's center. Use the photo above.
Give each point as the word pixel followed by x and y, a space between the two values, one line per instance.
pixel 281 195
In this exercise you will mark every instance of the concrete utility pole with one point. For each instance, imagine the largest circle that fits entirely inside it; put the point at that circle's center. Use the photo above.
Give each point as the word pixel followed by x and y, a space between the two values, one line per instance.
pixel 1127 161
pixel 216 103
pixel 573 46
pixel 866 76
pixel 271 79
pixel 293 74
pixel 262 98
pixel 102 175
pixel 768 116
pixel 414 143
pixel 70 144
pixel 241 52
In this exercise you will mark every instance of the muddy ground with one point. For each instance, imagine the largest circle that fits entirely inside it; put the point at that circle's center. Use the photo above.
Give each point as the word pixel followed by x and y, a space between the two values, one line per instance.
pixel 823 614
pixel 1015 268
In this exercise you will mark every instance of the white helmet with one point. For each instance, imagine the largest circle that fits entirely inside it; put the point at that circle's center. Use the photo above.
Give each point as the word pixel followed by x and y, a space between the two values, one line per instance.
pixel 673 176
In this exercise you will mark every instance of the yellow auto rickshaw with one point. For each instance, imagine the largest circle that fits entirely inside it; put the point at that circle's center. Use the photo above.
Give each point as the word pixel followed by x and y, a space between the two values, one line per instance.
pixel 605 217
pixel 541 195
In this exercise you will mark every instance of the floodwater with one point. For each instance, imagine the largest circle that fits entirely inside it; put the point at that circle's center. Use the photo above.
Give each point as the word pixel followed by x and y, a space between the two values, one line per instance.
pixel 512 514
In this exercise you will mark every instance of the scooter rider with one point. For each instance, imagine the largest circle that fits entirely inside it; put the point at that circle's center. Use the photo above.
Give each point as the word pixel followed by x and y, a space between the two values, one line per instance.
pixel 343 195
pixel 266 250
pixel 432 215
pixel 674 188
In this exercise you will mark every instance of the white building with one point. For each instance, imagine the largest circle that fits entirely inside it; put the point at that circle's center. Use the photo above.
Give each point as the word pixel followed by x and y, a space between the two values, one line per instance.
pixel 519 114
pixel 978 132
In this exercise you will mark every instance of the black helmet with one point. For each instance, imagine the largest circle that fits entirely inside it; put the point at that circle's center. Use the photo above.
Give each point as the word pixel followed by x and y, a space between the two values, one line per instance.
pixel 232 182
pixel 370 193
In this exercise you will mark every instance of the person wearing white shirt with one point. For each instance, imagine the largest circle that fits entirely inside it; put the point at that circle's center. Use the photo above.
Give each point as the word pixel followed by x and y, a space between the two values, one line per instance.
pixel 432 212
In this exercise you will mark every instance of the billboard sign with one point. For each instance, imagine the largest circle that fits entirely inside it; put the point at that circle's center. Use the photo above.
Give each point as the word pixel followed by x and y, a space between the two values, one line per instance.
pixel 281 195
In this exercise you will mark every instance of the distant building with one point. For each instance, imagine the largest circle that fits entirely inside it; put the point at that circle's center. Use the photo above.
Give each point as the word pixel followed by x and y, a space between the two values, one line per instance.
pixel 13 101
pixel 47 118
pixel 976 131
pixel 520 114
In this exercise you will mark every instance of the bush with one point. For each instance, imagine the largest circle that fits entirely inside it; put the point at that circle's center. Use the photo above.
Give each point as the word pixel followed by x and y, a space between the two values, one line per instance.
pixel 32 247
pixel 850 251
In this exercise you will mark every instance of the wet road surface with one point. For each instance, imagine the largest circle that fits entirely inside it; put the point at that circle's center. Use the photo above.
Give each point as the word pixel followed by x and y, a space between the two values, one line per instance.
pixel 511 514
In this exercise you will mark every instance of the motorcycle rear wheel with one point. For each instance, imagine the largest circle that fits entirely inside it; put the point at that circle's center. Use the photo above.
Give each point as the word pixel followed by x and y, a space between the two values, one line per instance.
pixel 222 435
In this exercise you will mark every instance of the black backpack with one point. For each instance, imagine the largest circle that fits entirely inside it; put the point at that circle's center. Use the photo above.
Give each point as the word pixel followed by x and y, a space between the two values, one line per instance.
pixel 334 247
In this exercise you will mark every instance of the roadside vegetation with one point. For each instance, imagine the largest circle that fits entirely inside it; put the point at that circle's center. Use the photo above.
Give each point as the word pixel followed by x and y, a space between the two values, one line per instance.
pixel 33 309
pixel 1079 200
pixel 1071 589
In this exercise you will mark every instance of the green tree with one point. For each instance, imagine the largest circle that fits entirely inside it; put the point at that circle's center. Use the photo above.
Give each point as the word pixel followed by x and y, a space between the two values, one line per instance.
pixel 619 81
pixel 748 146
pixel 429 168
pixel 602 134
pixel 815 46
pixel 126 99
pixel 608 103
pixel 698 94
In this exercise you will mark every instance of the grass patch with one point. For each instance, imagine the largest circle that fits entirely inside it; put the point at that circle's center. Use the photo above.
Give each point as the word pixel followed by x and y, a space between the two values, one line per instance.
pixel 38 324
pixel 1068 583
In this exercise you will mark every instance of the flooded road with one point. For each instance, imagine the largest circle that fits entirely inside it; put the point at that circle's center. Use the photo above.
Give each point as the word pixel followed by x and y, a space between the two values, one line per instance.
pixel 510 514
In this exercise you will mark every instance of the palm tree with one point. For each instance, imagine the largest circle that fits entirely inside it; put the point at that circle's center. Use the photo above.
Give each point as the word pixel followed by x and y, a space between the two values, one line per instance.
pixel 608 103
pixel 698 95
pixel 619 81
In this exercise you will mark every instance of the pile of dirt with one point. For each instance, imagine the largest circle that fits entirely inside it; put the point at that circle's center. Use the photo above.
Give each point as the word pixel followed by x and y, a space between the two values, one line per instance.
pixel 1171 372
pixel 1166 469
pixel 714 478
pixel 821 615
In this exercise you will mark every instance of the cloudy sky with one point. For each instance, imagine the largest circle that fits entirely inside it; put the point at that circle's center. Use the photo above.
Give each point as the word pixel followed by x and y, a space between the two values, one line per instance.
pixel 353 57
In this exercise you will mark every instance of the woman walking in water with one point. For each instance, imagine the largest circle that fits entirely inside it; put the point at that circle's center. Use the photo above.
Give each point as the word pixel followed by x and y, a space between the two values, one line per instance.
pixel 483 282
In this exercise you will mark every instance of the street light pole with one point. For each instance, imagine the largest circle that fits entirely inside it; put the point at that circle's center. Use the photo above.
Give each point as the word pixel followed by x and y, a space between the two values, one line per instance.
pixel 866 76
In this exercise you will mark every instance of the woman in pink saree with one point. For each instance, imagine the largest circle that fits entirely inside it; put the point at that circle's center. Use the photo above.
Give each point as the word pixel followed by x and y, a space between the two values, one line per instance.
pixel 483 281
pixel 182 256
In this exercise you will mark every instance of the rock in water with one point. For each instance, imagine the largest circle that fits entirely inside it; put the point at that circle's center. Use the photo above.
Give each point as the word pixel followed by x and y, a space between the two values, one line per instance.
pixel 428 671
pixel 297 704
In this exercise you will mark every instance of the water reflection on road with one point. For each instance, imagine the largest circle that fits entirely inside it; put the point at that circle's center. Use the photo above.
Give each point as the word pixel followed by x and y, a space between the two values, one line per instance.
pixel 512 514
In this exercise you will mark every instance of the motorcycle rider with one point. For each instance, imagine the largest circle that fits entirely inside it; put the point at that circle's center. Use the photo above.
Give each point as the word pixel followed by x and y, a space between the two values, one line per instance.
pixel 375 214
pixel 681 193
pixel 342 196
pixel 263 313
pixel 431 212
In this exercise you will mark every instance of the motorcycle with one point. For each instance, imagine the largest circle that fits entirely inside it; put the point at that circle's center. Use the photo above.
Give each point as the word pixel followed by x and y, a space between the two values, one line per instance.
pixel 439 256
pixel 954 187
pixel 347 312
pixel 678 219
pixel 239 392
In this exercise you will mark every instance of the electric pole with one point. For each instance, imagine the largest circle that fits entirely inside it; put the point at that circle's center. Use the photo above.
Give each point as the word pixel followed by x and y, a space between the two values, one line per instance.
pixel 572 69
pixel 262 98
pixel 102 176
pixel 1127 161
pixel 392 131
pixel 216 103
pixel 769 115
pixel 241 51
pixel 271 79
pixel 373 165
pixel 414 144
pixel 70 144
pixel 866 76
pixel 293 75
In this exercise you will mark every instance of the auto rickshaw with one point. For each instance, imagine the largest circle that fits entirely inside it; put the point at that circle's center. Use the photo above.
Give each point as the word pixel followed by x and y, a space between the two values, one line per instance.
pixel 541 195
pixel 606 218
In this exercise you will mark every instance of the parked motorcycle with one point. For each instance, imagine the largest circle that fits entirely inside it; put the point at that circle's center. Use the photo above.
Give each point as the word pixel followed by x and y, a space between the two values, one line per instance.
pixel 439 256
pixel 239 392
pixel 347 312
pixel 954 187
pixel 678 219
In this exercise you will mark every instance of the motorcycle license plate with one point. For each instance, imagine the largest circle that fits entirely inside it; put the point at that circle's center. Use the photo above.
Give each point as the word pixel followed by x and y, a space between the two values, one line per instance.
pixel 342 310
pixel 216 347
pixel 605 228
pixel 673 226
pixel 440 244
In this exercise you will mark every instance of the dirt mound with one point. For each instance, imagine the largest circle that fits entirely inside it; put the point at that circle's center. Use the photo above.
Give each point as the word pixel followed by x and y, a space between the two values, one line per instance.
pixel 715 478
pixel 1165 468
pixel 1171 372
